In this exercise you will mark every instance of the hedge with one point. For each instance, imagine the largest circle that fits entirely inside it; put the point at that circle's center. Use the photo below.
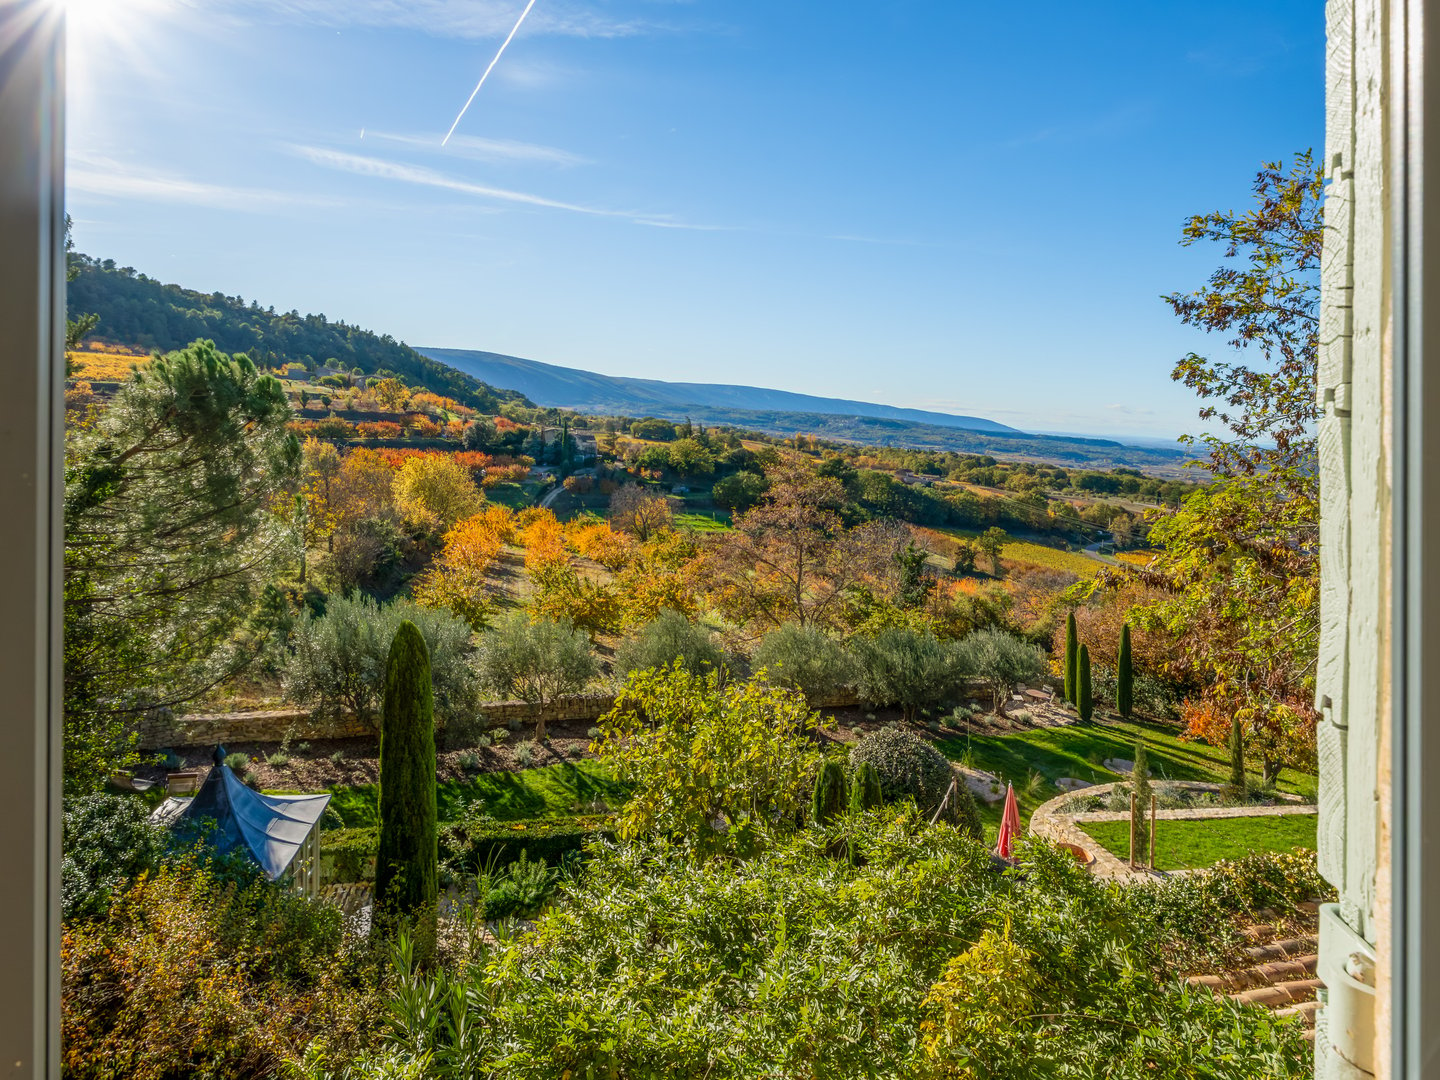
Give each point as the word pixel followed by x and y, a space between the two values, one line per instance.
pixel 349 854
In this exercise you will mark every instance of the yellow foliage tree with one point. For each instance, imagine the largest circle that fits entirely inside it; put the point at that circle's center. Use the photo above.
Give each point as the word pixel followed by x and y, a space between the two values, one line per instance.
pixel 543 539
pixel 319 473
pixel 364 487
pixel 437 491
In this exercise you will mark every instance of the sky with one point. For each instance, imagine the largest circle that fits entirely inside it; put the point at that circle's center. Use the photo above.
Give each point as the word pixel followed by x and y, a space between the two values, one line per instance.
pixel 938 204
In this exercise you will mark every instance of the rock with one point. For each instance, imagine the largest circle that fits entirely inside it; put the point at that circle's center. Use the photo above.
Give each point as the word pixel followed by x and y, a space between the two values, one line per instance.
pixel 1119 765
pixel 983 785
pixel 1069 783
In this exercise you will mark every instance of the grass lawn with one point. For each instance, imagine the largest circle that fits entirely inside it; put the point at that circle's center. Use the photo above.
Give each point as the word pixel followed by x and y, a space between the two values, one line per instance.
pixel 1180 845
pixel 708 521
pixel 551 791
pixel 1079 751
pixel 511 495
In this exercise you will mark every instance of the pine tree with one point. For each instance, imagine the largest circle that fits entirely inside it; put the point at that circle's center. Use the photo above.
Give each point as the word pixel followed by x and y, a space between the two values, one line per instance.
pixel 1083 700
pixel 1071 658
pixel 1140 773
pixel 1236 788
pixel 1124 676
pixel 406 865
pixel 865 791
pixel 829 801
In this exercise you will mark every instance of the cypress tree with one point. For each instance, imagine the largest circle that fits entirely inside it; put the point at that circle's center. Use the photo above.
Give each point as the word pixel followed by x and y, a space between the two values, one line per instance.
pixel 1083 700
pixel 829 801
pixel 1236 787
pixel 1071 659
pixel 1124 676
pixel 865 789
pixel 1141 775
pixel 406 865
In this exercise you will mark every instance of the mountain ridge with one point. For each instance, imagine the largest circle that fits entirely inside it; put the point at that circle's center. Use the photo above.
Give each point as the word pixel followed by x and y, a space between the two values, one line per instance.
pixel 547 384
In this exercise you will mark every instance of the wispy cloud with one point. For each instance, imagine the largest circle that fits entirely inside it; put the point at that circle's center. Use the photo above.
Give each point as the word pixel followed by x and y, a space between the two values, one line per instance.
pixel 1120 120
pixel 481 149
pixel 470 19
pixel 382 169
pixel 110 178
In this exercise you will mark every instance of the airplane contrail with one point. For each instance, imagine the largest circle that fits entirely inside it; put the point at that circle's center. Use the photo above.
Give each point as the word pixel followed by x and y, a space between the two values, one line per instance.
pixel 498 54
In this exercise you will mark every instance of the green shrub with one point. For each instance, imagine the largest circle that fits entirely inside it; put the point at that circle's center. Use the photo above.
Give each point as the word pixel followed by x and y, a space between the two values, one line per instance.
pixel 524 754
pixel 908 766
pixel 830 794
pixel 714 767
pixel 193 975
pixel 804 658
pixel 521 890
pixel 1140 773
pixel 239 763
pixel 649 965
pixel 668 638
pixel 865 790
pixel 349 854
pixel 107 841
pixel 407 860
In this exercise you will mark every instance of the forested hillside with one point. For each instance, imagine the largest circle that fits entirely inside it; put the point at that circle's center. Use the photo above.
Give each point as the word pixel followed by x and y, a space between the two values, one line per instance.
pixel 135 309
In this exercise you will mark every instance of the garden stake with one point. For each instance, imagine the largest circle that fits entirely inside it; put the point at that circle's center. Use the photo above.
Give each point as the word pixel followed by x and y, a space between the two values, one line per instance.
pixel 1152 832
pixel 1132 830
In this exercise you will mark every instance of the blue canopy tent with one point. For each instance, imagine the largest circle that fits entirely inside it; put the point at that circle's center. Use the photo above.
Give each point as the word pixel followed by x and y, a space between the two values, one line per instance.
pixel 278 831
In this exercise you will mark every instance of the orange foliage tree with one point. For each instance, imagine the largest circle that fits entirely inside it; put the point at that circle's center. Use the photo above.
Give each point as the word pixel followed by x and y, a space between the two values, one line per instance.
pixel 457 579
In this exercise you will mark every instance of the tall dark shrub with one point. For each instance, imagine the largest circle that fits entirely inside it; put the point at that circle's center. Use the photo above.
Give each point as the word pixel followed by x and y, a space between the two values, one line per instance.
pixel 1236 787
pixel 829 801
pixel 1084 702
pixel 1141 775
pixel 406 865
pixel 1071 657
pixel 1124 675
pixel 865 793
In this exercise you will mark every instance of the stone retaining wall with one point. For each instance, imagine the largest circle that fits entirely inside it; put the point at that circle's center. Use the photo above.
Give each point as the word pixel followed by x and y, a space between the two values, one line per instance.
pixel 273 725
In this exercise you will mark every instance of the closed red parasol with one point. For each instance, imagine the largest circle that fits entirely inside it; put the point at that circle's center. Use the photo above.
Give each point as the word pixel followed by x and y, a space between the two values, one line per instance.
pixel 1009 824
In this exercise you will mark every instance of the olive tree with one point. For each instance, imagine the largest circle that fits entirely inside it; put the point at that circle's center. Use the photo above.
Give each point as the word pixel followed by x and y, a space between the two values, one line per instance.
pixel 805 658
pixel 668 638
pixel 1002 660
pixel 339 658
pixel 536 661
pixel 909 668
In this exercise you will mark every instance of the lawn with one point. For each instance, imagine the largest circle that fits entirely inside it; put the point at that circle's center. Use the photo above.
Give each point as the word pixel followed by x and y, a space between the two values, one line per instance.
pixel 1180 845
pixel 512 495
pixel 1034 760
pixel 708 521
pixel 554 791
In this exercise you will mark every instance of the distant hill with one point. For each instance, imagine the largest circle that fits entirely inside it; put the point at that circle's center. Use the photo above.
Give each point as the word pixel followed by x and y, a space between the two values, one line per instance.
pixel 138 310
pixel 566 388
pixel 779 412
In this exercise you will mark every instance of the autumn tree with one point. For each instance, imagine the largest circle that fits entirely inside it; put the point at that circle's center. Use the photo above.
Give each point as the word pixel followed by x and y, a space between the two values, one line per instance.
pixel 319 471
pixel 456 581
pixel 639 512
pixel 436 491
pixel 1241 556
pixel 791 558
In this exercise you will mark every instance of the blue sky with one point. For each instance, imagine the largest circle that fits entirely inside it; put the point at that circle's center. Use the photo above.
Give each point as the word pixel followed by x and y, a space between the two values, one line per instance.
pixel 929 203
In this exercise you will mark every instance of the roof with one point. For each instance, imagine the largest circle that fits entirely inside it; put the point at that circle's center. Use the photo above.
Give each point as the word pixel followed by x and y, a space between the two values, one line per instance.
pixel 270 828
